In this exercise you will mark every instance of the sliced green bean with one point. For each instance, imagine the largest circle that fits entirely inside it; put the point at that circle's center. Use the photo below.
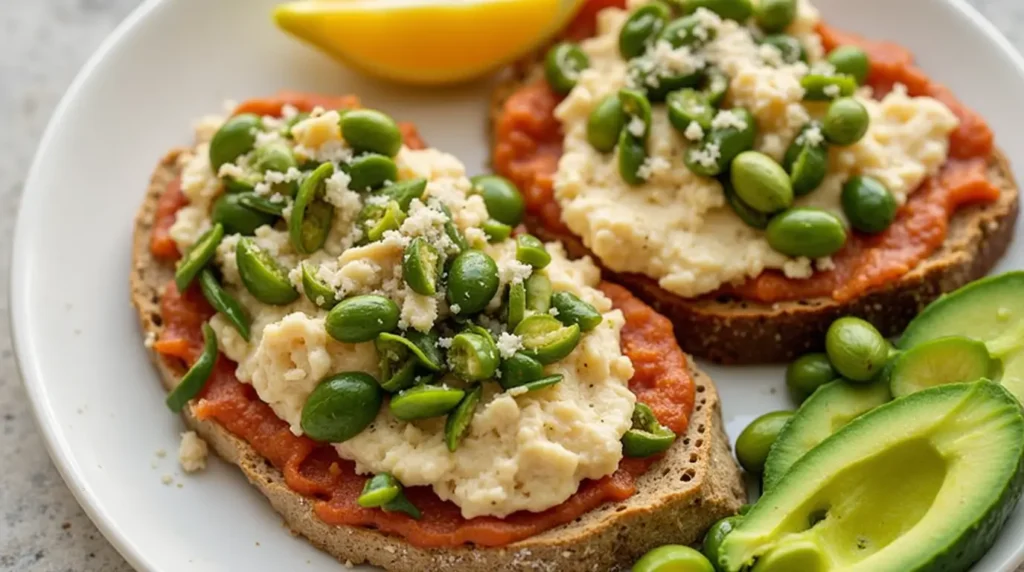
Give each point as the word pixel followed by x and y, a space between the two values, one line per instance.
pixel 515 305
pixel 237 218
pixel 391 218
pixel 496 231
pixel 688 106
pixel 262 204
pixel 275 157
pixel 421 266
pixel 311 216
pixel 263 276
pixel 195 378
pixel 538 293
pixel 379 490
pixel 648 436
pixel 827 87
pixel 317 291
pixel 403 505
pixel 791 49
pixel 459 419
pixel 632 156
pixel 224 303
pixel 530 250
pixel 520 369
pixel 546 339
pixel 425 401
pixel 563 65
pixel 473 357
pixel 198 256
pixel 716 86
pixel 641 27
pixel 422 346
pixel 542 383
pixel 573 310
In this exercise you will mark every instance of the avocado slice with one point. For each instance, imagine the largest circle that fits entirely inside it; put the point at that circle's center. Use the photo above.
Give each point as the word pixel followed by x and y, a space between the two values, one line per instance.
pixel 990 310
pixel 923 483
pixel 826 411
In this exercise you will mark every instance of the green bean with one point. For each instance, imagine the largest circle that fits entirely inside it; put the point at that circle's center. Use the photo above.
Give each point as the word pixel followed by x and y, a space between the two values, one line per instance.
pixel 391 218
pixel 311 217
pixel 775 15
pixel 262 204
pixel 425 401
pixel 715 86
pixel 224 303
pixel 263 276
pixel 753 217
pixel 791 49
pixel 573 310
pixel 402 504
pixel 688 106
pixel 473 357
pixel 317 291
pixel 648 436
pixel 515 305
pixel 404 192
pixel 421 266
pixel 459 419
pixel 236 218
pixel 197 257
pixel 379 490
pixel 545 338
pixel 632 156
pixel 520 369
pixel 542 383
pixel 422 346
pixel 563 65
pixel 721 146
pixel 195 378
pixel 538 293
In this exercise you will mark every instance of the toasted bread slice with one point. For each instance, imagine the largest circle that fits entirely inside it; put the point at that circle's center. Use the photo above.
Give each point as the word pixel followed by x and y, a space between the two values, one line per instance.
pixel 694 485
pixel 734 331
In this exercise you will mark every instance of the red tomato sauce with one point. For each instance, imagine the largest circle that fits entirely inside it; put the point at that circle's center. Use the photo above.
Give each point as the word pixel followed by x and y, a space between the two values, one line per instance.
pixel 314 469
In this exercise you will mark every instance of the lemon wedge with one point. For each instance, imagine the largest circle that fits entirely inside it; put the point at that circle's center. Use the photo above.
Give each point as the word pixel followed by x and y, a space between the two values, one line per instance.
pixel 425 42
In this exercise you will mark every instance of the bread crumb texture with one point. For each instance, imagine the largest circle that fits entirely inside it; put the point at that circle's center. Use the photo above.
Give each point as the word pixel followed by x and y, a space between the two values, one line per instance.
pixel 192 452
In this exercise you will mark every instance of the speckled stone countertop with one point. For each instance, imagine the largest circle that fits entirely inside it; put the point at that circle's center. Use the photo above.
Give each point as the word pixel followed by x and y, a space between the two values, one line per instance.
pixel 42 45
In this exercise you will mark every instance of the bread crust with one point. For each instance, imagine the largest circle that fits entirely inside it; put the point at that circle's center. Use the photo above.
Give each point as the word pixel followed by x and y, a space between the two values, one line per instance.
pixel 695 484
pixel 733 331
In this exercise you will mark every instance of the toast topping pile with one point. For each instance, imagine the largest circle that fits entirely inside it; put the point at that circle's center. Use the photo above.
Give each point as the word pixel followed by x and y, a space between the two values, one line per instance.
pixel 380 305
pixel 654 200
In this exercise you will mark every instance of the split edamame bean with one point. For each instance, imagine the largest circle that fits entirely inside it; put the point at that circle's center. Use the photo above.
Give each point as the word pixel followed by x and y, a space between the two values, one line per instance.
pixel 229 211
pixel 827 87
pixel 397 376
pixel 195 378
pixel 421 266
pixel 370 131
pixel 504 201
pixel 473 357
pixel 720 147
pixel 856 349
pixel 790 47
pixel 852 61
pixel 805 231
pixel 235 138
pixel 520 369
pixel 459 419
pixel 361 318
pixel 632 156
pixel 573 310
pixel 341 406
pixel 317 291
pixel 563 65
pixel 868 204
pixel 530 250
pixel 712 545
pixel 754 442
pixel 538 293
pixel 806 161
pixel 761 182
pixel 774 16
pixel 647 436
pixel 472 282
pixel 262 275
pixel 641 27
pixel 276 157
pixel 846 121
pixel 422 346
pixel 379 490
pixel 197 257
pixel 738 10
pixel 515 305
pixel 224 303
pixel 687 106
pixel 605 122
pixel 425 401
pixel 547 340
pixel 371 171
pixel 496 231
pixel 673 558
pixel 809 372
pixel 311 216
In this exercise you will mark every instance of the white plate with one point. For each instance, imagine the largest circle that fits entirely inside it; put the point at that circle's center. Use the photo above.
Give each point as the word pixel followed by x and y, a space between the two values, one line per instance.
pixel 95 394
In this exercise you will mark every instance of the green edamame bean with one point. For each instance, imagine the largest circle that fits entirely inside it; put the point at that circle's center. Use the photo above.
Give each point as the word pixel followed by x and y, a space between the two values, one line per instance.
pixel 371 171
pixel 715 86
pixel 425 401
pixel 370 131
pixel 459 419
pixel 538 293
pixel 775 15
pixel 637 108
pixel 754 442
pixel 632 156
pixel 229 211
pixel 472 282
pixel 809 167
pixel 712 545
pixel 362 318
pixel 809 372
pixel 379 490
pixel 422 346
pixel 852 61
pixel 856 349
pixel 647 436
pixel 791 49
pixel 224 303
pixel 545 339
pixel 809 232
pixel 827 87
pixel 195 378
pixel 868 204
pixel 542 383
pixel 391 218
pixel 515 305
pixel 721 146
pixel 641 27
pixel 530 250
pixel 688 106
pixel 262 204
pixel 263 276
pixel 317 291
pixel 753 217
pixel 761 182
pixel 520 369
pixel 311 217
pixel 276 157
pixel 421 266
pixel 473 357
pixel 496 231
pixel 738 10
pixel 572 310
pixel 341 406
pixel 196 258
pixel 673 557
pixel 504 201
pixel 235 138
pixel 563 65
pixel 846 121
pixel 606 122
pixel 686 31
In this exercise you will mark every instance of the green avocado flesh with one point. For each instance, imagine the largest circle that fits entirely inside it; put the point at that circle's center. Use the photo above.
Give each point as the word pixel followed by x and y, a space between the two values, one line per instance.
pixel 937 362
pixel 826 411
pixel 923 483
pixel 990 310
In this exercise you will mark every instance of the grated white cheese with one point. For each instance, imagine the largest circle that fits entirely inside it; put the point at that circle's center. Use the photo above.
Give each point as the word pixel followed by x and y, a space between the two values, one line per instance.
pixel 694 132
pixel 192 452
pixel 509 344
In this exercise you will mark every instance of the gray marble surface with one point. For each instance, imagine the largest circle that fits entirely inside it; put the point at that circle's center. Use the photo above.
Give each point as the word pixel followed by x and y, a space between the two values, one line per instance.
pixel 42 45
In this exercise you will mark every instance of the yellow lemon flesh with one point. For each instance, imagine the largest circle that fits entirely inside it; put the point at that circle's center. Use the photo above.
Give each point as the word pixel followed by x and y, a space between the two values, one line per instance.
pixel 427 42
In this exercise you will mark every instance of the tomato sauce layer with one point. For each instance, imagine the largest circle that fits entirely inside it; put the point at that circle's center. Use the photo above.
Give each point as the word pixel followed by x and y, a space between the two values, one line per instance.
pixel 312 469
pixel 528 146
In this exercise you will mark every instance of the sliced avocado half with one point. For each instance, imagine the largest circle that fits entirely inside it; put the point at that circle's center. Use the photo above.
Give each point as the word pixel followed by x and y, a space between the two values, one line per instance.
pixel 990 310
pixel 826 411
pixel 923 483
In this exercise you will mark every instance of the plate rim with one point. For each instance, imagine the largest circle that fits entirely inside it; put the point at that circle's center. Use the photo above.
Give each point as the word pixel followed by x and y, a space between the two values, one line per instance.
pixel 19 321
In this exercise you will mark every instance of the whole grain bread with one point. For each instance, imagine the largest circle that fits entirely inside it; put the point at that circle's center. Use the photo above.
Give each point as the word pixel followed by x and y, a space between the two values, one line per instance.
pixel 695 484
pixel 733 331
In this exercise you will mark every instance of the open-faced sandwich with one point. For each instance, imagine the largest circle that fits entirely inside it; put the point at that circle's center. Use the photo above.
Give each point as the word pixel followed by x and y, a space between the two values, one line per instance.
pixel 751 172
pixel 411 382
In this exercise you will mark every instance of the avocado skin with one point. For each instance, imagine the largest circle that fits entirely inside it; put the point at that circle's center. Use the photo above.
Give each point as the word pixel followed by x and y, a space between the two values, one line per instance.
pixel 973 542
